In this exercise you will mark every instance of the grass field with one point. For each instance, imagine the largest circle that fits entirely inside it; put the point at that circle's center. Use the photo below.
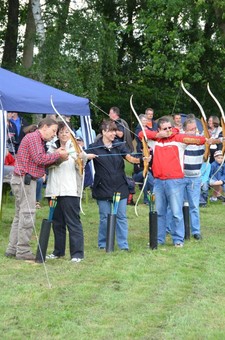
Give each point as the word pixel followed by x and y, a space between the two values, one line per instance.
pixel 168 293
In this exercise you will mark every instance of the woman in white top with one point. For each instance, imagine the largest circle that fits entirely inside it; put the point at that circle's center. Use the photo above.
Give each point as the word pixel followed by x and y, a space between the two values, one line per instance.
pixel 65 182
pixel 215 131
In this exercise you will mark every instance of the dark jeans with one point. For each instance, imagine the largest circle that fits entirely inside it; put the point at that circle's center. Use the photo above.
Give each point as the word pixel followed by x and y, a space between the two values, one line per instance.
pixel 67 213
pixel 149 186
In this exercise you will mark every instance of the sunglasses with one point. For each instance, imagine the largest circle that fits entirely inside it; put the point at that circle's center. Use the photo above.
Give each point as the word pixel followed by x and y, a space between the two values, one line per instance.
pixel 168 128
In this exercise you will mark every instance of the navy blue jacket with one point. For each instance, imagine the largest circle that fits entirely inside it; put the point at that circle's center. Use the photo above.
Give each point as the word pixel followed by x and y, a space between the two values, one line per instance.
pixel 110 175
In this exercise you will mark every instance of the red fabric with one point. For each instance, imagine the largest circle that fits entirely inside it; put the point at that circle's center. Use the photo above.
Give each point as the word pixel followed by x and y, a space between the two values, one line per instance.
pixel 31 157
pixel 168 153
pixel 9 159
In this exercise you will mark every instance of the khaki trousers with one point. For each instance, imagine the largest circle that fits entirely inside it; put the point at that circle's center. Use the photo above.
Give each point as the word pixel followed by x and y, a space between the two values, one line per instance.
pixel 24 219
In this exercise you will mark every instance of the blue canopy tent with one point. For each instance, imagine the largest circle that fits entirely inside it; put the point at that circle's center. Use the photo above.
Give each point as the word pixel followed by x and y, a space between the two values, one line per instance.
pixel 21 94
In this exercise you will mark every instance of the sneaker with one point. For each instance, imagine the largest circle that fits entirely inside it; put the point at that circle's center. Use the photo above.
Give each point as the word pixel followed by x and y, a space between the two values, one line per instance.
pixel 213 199
pixel 221 198
pixel 197 236
pixel 101 248
pixel 52 257
pixel 76 259
pixel 178 245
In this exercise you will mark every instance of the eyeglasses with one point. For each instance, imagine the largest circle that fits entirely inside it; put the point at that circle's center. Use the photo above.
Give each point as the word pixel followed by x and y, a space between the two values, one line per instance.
pixel 168 128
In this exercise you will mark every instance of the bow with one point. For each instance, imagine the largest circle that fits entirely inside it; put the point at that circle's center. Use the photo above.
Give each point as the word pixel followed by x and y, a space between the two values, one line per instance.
pixel 222 124
pixel 222 114
pixel 145 154
pixel 203 120
pixel 73 139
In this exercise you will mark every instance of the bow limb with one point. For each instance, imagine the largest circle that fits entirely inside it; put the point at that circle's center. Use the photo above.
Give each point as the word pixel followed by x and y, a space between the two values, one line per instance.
pixel 203 120
pixel 222 114
pixel 144 140
pixel 145 154
pixel 73 139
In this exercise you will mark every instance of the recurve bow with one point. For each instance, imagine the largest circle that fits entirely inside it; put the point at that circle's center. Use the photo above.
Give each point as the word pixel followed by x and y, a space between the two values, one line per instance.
pixel 145 151
pixel 203 120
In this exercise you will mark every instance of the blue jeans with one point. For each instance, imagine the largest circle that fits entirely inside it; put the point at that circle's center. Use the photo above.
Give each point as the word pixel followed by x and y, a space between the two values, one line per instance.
pixel 121 223
pixel 192 196
pixel 39 189
pixel 149 185
pixel 204 193
pixel 170 192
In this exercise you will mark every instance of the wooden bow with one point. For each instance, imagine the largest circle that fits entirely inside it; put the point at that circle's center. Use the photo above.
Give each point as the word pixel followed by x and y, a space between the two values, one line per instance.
pixel 76 146
pixel 203 120
pixel 222 115
pixel 145 151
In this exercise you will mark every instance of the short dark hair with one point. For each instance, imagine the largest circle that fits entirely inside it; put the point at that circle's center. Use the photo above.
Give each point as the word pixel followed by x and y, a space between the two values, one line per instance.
pixel 149 109
pixel 108 125
pixel 116 110
pixel 163 120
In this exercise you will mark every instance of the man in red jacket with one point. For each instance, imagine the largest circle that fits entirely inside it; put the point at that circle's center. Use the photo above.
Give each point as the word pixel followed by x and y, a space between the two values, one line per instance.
pixel 168 159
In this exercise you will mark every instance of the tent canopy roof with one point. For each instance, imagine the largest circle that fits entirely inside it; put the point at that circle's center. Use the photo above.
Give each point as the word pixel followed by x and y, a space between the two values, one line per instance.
pixel 21 94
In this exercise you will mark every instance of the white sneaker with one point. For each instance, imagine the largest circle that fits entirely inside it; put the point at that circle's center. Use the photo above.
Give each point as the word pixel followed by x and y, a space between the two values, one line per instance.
pixel 52 257
pixel 213 199
pixel 76 259
pixel 178 245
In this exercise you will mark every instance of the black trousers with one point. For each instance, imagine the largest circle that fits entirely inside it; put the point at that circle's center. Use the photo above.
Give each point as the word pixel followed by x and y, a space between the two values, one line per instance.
pixel 67 213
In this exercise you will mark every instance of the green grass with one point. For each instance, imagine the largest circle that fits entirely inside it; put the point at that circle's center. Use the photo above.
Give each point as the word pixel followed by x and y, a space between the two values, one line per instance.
pixel 168 293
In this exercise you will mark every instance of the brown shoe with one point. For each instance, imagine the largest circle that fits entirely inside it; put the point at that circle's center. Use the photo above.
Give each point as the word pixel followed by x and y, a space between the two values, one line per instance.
pixel 29 257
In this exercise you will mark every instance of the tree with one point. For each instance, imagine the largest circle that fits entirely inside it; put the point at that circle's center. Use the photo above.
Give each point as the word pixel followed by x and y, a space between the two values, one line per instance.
pixel 11 35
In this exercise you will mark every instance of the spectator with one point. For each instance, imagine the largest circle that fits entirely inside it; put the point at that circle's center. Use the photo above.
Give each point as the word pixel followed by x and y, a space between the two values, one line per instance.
pixel 151 124
pixel 20 123
pixel 215 132
pixel 9 164
pixel 177 123
pixel 80 134
pixel 138 177
pixel 12 136
pixel 30 164
pixel 123 131
pixel 205 171
pixel 144 121
pixel 217 177
pixel 40 182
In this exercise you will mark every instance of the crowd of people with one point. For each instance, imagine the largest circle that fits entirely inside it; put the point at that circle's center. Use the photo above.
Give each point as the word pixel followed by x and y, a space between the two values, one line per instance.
pixel 177 172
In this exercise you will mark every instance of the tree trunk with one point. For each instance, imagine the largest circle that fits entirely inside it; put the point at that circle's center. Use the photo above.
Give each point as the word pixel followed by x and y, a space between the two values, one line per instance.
pixel 10 48
pixel 40 29
pixel 29 39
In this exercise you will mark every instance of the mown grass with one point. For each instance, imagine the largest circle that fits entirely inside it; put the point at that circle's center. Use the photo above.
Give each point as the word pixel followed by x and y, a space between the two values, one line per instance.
pixel 168 293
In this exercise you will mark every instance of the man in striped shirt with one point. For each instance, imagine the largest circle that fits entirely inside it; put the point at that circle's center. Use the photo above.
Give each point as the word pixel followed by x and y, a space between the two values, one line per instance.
pixel 193 158
pixel 30 164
